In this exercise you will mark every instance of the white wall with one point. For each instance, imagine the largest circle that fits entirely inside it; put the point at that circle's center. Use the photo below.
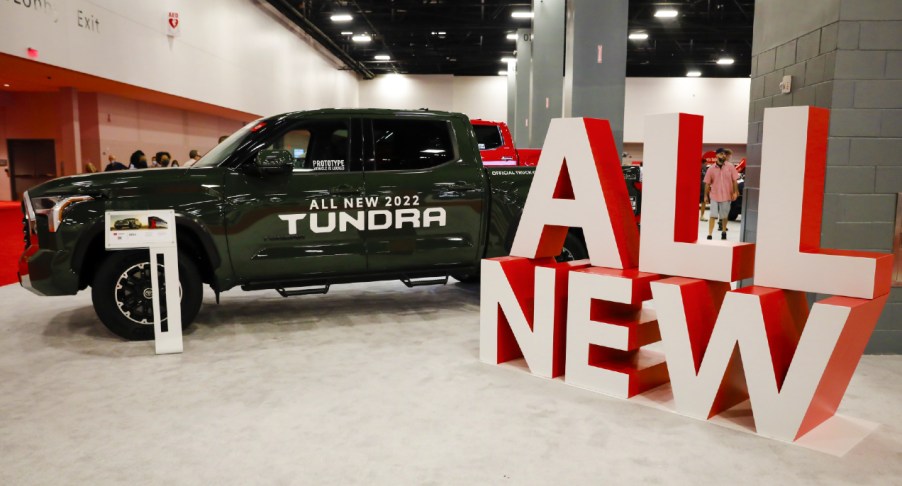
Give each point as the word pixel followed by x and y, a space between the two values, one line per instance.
pixel 476 96
pixel 231 53
pixel 724 102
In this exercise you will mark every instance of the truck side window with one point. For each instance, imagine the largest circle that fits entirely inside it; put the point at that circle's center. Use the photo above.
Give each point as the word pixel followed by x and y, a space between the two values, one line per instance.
pixel 411 144
pixel 317 146
pixel 488 136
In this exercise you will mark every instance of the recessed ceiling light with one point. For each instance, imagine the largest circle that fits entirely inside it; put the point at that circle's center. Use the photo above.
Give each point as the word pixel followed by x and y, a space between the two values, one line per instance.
pixel 666 13
pixel 512 36
pixel 382 57
pixel 361 38
pixel 502 73
pixel 638 36
pixel 347 33
pixel 341 18
pixel 522 15
pixel 508 59
pixel 694 73
pixel 725 61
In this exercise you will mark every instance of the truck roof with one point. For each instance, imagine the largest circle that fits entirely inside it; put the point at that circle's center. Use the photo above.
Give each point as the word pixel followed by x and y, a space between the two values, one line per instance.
pixel 369 111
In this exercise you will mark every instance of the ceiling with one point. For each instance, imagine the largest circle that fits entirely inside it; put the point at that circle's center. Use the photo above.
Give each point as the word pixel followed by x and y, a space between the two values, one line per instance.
pixel 469 37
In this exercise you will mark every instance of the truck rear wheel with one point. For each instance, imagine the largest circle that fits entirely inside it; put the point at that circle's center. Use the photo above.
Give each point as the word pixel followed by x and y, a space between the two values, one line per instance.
pixel 122 294
pixel 574 249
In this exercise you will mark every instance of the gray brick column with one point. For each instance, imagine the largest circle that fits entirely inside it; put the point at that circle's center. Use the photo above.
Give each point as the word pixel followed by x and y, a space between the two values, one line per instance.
pixel 845 55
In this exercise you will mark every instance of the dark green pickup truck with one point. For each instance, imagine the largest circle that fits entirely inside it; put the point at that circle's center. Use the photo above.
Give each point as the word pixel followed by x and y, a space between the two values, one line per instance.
pixel 294 202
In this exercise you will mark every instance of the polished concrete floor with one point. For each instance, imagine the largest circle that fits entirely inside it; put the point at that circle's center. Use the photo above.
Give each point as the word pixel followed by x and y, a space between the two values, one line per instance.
pixel 370 384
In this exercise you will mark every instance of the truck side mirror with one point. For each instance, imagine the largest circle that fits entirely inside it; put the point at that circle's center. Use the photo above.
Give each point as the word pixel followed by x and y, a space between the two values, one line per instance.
pixel 273 162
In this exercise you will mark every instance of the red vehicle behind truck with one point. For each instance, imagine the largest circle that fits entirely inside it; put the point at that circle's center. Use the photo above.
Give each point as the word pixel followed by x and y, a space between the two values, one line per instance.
pixel 496 145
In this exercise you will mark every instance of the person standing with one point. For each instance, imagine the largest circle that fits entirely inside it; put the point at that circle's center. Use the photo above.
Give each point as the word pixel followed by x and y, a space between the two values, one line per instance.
pixel 721 189
pixel 193 157
pixel 162 159
pixel 138 160
pixel 114 164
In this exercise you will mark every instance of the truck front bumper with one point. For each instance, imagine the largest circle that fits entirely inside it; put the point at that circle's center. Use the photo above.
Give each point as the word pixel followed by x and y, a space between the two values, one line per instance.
pixel 47 272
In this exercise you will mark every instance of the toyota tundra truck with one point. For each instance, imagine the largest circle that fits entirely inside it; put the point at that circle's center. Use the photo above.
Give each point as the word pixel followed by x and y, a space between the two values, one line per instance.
pixel 296 203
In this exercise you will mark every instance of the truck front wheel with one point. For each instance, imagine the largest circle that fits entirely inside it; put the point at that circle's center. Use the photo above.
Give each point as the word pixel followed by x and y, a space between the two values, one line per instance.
pixel 122 294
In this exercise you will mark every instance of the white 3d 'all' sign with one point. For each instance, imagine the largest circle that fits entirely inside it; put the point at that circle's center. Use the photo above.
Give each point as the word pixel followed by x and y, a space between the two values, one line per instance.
pixel 590 322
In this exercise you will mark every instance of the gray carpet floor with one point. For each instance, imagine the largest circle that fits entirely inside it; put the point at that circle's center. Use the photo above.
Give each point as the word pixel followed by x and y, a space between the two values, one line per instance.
pixel 371 384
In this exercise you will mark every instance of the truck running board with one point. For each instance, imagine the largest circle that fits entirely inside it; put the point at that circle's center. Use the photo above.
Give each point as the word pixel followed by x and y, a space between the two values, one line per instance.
pixel 419 282
pixel 303 291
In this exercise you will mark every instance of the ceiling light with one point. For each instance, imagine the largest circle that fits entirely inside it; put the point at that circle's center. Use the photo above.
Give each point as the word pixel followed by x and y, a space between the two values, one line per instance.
pixel 382 57
pixel 502 73
pixel 693 74
pixel 341 18
pixel 512 36
pixel 347 33
pixel 522 15
pixel 666 13
pixel 361 38
pixel 725 61
pixel 508 59
pixel 638 36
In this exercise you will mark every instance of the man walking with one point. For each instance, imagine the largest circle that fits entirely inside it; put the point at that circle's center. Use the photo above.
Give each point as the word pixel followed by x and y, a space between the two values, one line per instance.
pixel 721 189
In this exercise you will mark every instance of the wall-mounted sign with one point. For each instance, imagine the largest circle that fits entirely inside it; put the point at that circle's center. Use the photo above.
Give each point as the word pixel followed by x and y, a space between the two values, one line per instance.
pixel 173 25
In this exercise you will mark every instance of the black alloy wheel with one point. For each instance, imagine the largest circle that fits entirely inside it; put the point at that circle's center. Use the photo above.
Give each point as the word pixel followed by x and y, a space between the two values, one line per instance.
pixel 122 294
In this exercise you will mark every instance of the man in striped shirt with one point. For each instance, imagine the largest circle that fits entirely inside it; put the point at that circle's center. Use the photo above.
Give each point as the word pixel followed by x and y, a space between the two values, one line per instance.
pixel 721 189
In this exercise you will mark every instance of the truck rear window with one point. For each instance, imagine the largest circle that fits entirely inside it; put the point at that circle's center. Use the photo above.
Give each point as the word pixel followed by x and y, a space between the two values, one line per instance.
pixel 488 137
pixel 411 144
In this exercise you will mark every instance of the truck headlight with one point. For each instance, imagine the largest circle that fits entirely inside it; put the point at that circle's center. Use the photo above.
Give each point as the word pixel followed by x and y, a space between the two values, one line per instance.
pixel 54 207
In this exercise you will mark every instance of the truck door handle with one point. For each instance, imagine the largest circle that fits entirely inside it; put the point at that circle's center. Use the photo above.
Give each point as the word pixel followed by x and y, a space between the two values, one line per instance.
pixel 344 189
pixel 507 158
pixel 462 186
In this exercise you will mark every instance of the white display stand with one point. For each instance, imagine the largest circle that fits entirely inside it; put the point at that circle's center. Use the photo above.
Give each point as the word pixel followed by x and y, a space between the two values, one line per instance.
pixel 153 230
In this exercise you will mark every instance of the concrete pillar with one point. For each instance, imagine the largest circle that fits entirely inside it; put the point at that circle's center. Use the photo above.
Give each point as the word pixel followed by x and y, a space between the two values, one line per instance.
pixel 511 96
pixel 523 69
pixel 547 67
pixel 595 61
pixel 69 152
pixel 844 55
pixel 89 126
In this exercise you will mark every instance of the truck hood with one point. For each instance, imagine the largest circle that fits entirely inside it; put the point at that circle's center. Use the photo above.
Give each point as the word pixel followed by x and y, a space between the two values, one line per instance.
pixel 105 183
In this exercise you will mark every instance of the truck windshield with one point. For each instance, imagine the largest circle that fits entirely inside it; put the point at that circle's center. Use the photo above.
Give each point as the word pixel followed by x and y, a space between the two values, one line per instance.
pixel 219 153
pixel 488 136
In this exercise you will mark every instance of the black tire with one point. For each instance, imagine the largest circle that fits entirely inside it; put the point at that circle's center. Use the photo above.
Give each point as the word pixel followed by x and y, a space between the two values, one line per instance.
pixel 124 268
pixel 574 249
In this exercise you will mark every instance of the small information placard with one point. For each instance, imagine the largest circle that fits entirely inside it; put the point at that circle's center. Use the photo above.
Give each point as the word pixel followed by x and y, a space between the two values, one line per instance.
pixel 153 230
pixel 140 229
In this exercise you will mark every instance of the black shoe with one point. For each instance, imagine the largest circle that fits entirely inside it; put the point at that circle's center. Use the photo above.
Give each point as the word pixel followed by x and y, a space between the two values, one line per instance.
pixel 723 235
pixel 709 237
